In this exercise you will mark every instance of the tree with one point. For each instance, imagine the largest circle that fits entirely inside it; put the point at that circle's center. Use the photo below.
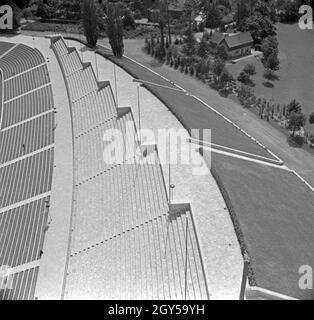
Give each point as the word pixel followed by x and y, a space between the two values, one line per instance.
pixel 224 77
pixel 294 106
pixel 115 30
pixel 244 77
pixel 90 22
pixel 296 120
pixel 269 74
pixel 261 21
pixel 190 43
pixel 221 53
pixel 249 69
pixel 128 19
pixel 311 118
pixel 242 12
pixel 269 46
pixel 289 10
pixel 190 8
pixel 217 67
pixel 211 15
pixel 203 49
pixel 272 62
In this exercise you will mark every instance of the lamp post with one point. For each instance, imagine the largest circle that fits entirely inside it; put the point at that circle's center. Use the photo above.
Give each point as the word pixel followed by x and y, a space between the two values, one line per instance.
pixel 96 66
pixel 139 113
pixel 115 83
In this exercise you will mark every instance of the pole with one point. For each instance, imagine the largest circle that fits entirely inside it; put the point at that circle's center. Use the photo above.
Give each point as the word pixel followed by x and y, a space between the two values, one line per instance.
pixel 169 170
pixel 96 66
pixel 115 83
pixel 186 255
pixel 81 49
pixel 139 113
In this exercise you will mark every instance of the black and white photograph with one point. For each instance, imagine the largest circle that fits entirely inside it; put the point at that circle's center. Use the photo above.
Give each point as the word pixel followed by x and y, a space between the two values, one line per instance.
pixel 156 151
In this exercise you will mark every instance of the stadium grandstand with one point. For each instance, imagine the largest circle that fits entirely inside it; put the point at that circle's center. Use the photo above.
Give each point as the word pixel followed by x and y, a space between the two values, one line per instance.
pixel 123 236
pixel 135 247
pixel 26 165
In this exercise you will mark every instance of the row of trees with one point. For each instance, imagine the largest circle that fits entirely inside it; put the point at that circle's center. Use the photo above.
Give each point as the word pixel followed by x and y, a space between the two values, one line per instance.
pixel 288 11
pixel 114 25
pixel 208 68
pixel 291 114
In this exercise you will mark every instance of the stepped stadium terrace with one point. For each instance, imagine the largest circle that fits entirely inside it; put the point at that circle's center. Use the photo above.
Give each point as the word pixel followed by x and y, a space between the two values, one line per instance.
pixel 125 241
pixel 26 164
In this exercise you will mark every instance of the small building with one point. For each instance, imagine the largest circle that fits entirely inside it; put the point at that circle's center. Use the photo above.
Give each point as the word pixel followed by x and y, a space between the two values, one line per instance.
pixel 238 45
pixel 175 9
pixel 217 38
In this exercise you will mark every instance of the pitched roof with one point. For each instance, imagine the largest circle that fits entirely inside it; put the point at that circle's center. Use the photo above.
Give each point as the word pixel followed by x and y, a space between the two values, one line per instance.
pixel 239 40
pixel 177 5
pixel 217 37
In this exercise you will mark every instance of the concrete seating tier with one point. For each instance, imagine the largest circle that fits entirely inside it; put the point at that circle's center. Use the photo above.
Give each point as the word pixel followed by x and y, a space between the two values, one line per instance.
pixel 26 137
pixel 146 262
pixel 20 59
pixel 26 82
pixel 27 106
pixel 22 233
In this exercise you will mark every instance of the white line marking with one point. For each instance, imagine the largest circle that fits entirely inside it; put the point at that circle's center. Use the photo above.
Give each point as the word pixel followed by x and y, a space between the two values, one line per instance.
pixel 26 156
pixel 271 293
pixel 303 180
pixel 23 267
pixel 209 144
pixel 233 155
pixel 27 120
pixel 28 92
pixel 24 202
pixel 28 70
pixel 5 53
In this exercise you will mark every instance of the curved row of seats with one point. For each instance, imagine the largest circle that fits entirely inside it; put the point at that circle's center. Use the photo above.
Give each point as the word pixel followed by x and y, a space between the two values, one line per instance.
pixel 5 47
pixel 23 246
pixel 89 111
pixel 124 244
pixel 26 164
pixel 34 103
pixel 26 178
pixel 26 82
pixel 26 138
pixel 20 59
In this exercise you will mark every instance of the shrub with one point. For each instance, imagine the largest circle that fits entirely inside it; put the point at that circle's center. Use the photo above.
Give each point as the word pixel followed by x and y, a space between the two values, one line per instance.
pixel 192 71
pixel 176 64
pixel 244 77
pixel 250 69
pixel 137 15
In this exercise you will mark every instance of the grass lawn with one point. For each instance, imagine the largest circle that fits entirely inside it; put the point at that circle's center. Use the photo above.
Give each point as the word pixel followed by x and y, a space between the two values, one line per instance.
pixel 274 210
pixel 52 27
pixel 192 113
pixel 296 74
